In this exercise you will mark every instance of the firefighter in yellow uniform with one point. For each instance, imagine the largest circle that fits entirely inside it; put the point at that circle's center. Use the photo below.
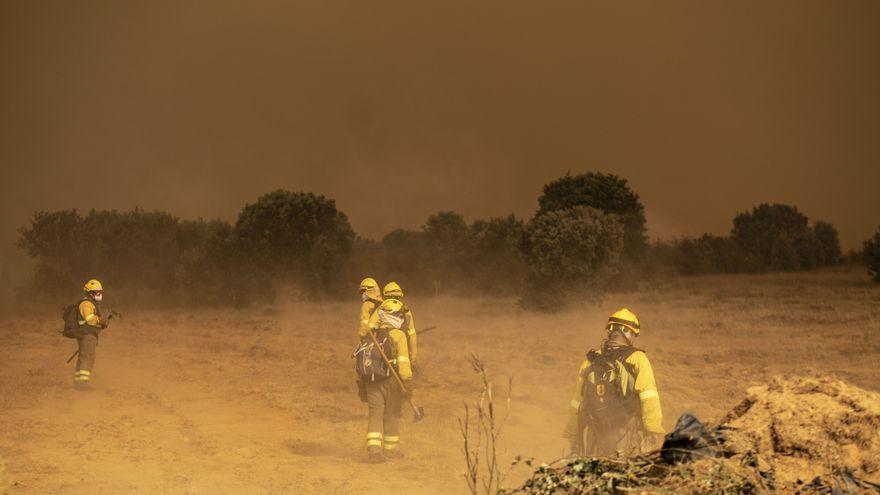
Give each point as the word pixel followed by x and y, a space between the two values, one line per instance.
pixel 371 298
pixel 370 301
pixel 90 325
pixel 615 407
pixel 384 396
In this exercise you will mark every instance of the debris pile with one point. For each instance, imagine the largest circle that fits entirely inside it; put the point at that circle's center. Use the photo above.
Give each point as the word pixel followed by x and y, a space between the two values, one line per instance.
pixel 799 435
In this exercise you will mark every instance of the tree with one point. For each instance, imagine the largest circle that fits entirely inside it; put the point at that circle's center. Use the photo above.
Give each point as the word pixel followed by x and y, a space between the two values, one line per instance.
pixel 295 236
pixel 779 236
pixel 55 241
pixel 710 254
pixel 496 265
pixel 568 251
pixel 871 256
pixel 448 247
pixel 143 256
pixel 605 192
pixel 830 240
pixel 405 253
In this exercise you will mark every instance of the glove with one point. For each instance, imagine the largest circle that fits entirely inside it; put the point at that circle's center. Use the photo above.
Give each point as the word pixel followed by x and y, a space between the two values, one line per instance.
pixel 408 392
pixel 362 390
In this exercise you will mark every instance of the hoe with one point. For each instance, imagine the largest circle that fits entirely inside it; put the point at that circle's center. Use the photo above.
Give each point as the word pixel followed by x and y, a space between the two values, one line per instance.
pixel 418 412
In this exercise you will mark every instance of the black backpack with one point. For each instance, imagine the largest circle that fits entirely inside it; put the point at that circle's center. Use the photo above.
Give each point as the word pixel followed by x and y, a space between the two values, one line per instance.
pixel 604 406
pixel 368 363
pixel 70 315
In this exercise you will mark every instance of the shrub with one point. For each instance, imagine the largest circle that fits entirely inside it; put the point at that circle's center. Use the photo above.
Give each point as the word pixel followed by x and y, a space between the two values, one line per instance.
pixel 569 251
pixel 294 237
pixel 710 254
pixel 779 237
pixel 404 253
pixel 142 253
pixel 447 249
pixel 496 265
pixel 605 192
pixel 830 240
pixel 871 256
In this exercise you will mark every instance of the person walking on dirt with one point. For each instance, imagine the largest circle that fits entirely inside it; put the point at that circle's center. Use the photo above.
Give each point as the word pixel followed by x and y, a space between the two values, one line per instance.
pixel 615 404
pixel 89 326
pixel 384 396
pixel 371 298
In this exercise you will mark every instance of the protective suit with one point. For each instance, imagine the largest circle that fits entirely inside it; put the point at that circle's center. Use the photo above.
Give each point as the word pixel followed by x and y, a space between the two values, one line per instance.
pixel 384 396
pixel 90 325
pixel 371 298
pixel 615 404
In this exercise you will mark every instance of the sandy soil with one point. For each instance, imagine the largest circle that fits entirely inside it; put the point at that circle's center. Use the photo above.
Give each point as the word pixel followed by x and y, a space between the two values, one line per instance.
pixel 217 401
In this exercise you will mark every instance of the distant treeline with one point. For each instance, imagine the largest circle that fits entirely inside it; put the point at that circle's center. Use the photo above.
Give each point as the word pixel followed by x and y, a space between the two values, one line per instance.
pixel 587 235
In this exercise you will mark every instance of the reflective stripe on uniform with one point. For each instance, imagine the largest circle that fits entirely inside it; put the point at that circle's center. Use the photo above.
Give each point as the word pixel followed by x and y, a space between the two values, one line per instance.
pixel 575 404
pixel 391 446
pixel 392 438
pixel 91 317
pixel 374 442
pixel 365 322
pixel 648 394
pixel 402 359
pixel 411 331
pixel 374 434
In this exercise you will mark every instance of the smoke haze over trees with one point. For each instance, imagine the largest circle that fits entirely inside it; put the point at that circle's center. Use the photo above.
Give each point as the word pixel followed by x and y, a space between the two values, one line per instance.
pixel 587 233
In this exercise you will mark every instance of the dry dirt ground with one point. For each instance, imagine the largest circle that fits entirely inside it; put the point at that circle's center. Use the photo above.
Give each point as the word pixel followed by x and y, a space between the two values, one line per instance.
pixel 217 401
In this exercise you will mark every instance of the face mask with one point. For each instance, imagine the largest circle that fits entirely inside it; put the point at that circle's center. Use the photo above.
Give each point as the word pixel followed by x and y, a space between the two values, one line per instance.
pixel 99 297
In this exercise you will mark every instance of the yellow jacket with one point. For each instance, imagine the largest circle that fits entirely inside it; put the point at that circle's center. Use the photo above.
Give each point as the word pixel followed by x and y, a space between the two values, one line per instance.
pixel 645 386
pixel 392 316
pixel 367 308
pixel 88 314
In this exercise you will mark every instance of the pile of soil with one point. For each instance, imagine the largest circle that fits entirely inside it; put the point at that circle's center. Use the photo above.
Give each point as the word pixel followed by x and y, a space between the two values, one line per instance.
pixel 796 434
pixel 798 428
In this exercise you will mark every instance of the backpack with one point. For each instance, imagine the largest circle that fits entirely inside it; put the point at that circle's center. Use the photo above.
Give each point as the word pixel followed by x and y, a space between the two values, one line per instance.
pixel 368 363
pixel 70 315
pixel 604 406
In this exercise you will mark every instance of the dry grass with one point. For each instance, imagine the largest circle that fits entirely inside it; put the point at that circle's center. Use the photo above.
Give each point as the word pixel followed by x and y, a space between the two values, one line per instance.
pixel 265 402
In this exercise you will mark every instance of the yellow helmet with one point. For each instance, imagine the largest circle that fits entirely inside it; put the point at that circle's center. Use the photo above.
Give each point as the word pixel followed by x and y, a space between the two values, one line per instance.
pixel 391 305
pixel 370 288
pixel 626 318
pixel 92 286
pixel 392 290
pixel 368 284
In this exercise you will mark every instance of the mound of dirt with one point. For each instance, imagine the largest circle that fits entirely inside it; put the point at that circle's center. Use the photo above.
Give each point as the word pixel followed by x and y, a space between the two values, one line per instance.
pixel 796 434
pixel 804 427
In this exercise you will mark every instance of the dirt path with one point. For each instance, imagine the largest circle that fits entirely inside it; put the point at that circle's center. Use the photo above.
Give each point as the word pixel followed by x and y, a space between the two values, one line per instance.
pixel 224 402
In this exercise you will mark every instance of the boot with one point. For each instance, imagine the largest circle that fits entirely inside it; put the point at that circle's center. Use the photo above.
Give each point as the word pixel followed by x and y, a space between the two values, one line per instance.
pixel 374 455
pixel 82 386
pixel 393 454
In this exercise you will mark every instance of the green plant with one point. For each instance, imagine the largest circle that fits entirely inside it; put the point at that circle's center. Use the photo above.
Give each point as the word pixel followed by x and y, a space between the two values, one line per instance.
pixel 569 252
pixel 605 192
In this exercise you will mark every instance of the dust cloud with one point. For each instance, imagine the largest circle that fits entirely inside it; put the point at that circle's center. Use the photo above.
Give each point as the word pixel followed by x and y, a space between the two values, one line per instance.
pixel 399 110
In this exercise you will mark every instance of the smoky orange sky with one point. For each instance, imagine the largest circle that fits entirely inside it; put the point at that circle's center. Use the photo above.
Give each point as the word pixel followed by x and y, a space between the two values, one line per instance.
pixel 398 109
